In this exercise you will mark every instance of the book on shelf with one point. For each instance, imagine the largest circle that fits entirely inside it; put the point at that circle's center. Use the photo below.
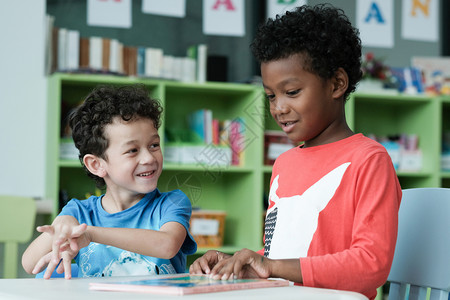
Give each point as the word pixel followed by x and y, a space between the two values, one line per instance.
pixel 187 70
pixel 275 143
pixel 62 49
pixel 237 140
pixel 140 62
pixel 191 153
pixel 167 67
pixel 184 284
pixel 95 53
pixel 184 146
pixel 200 54
pixel 197 123
pixel 49 49
pixel 153 62
pixel 113 63
pixel 73 50
pixel 84 53
pixel 130 61
pixel 106 52
pixel 54 49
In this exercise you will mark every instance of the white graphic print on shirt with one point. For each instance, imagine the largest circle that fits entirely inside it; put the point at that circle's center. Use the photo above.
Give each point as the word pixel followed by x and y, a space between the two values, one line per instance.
pixel 292 221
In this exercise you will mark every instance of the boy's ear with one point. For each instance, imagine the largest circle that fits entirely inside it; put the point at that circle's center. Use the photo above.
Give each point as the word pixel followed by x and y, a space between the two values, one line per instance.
pixel 95 165
pixel 340 83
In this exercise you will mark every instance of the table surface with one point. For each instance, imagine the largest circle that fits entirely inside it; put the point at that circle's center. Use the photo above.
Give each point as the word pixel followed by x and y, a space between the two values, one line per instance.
pixel 78 288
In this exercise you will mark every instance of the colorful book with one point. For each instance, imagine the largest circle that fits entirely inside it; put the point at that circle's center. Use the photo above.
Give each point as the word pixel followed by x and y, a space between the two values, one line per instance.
pixel 185 284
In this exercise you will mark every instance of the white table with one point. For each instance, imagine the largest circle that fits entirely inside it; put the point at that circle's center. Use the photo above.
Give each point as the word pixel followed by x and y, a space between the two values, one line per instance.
pixel 78 288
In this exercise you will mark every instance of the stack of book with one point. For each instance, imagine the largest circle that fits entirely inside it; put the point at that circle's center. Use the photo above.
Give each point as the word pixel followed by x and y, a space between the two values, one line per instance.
pixel 68 51
pixel 212 142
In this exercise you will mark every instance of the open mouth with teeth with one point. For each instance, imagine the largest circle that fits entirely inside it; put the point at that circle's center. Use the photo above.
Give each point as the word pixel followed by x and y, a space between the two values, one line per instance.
pixel 146 174
pixel 287 123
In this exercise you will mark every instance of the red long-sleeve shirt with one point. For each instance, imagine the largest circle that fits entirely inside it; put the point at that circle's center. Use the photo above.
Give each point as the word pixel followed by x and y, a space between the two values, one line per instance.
pixel 335 207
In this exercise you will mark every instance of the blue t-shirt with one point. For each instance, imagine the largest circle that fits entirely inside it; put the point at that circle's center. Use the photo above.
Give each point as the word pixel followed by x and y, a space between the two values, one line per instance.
pixel 151 212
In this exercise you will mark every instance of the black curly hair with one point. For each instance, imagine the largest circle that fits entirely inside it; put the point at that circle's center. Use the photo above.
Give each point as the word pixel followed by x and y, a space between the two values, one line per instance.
pixel 322 34
pixel 99 109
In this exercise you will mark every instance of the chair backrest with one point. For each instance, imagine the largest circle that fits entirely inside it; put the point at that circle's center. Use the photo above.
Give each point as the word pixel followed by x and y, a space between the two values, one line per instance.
pixel 17 216
pixel 422 253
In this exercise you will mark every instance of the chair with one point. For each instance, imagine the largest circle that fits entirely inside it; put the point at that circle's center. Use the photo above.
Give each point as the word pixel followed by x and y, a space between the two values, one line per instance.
pixel 17 215
pixel 422 254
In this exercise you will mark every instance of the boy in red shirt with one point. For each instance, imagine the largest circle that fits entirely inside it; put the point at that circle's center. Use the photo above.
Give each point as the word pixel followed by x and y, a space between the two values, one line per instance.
pixel 334 200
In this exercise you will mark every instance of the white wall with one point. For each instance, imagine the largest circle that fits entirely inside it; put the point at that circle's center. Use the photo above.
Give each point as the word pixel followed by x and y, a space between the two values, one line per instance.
pixel 23 97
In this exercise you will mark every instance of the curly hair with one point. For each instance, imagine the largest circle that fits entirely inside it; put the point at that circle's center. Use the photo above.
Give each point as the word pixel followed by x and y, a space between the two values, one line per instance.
pixel 322 33
pixel 100 108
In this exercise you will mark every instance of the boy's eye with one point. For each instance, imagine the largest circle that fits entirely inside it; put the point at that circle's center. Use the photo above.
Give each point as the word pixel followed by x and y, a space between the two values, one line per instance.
pixel 154 146
pixel 292 93
pixel 270 97
pixel 132 150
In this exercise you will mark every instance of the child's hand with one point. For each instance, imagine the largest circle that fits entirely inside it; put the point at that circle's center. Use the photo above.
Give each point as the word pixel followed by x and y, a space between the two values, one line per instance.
pixel 204 264
pixel 243 264
pixel 68 237
pixel 65 264
pixel 66 233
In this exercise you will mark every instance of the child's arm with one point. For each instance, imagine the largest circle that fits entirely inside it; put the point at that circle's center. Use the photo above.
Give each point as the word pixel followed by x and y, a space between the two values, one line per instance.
pixel 164 243
pixel 64 234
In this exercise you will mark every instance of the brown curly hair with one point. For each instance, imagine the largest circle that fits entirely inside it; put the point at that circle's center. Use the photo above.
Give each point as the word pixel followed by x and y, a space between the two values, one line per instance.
pixel 99 109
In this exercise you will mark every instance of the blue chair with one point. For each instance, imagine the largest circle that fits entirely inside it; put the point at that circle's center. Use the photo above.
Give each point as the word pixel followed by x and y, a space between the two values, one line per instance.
pixel 74 272
pixel 422 254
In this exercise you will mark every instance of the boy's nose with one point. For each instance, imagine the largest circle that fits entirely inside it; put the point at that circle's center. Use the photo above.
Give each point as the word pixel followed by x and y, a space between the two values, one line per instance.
pixel 147 157
pixel 280 107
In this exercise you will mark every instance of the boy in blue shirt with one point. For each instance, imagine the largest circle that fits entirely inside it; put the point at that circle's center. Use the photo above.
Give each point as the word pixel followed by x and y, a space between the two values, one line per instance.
pixel 133 229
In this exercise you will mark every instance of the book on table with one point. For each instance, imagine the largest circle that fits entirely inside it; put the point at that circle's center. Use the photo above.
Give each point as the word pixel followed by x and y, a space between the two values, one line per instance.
pixel 184 284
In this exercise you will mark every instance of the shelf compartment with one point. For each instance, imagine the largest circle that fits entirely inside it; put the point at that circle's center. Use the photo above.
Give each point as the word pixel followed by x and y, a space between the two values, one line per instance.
pixel 391 115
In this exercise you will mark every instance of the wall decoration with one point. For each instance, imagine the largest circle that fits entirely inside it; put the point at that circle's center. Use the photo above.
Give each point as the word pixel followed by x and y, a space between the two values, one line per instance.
pixel 170 8
pixel 420 20
pixel 279 7
pixel 109 13
pixel 224 17
pixel 375 20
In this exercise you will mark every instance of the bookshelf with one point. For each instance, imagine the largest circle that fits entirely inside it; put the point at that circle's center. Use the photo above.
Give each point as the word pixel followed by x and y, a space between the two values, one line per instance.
pixel 240 190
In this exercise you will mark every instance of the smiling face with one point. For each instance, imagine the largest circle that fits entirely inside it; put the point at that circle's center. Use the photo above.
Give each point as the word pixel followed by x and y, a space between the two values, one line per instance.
pixel 307 107
pixel 133 159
